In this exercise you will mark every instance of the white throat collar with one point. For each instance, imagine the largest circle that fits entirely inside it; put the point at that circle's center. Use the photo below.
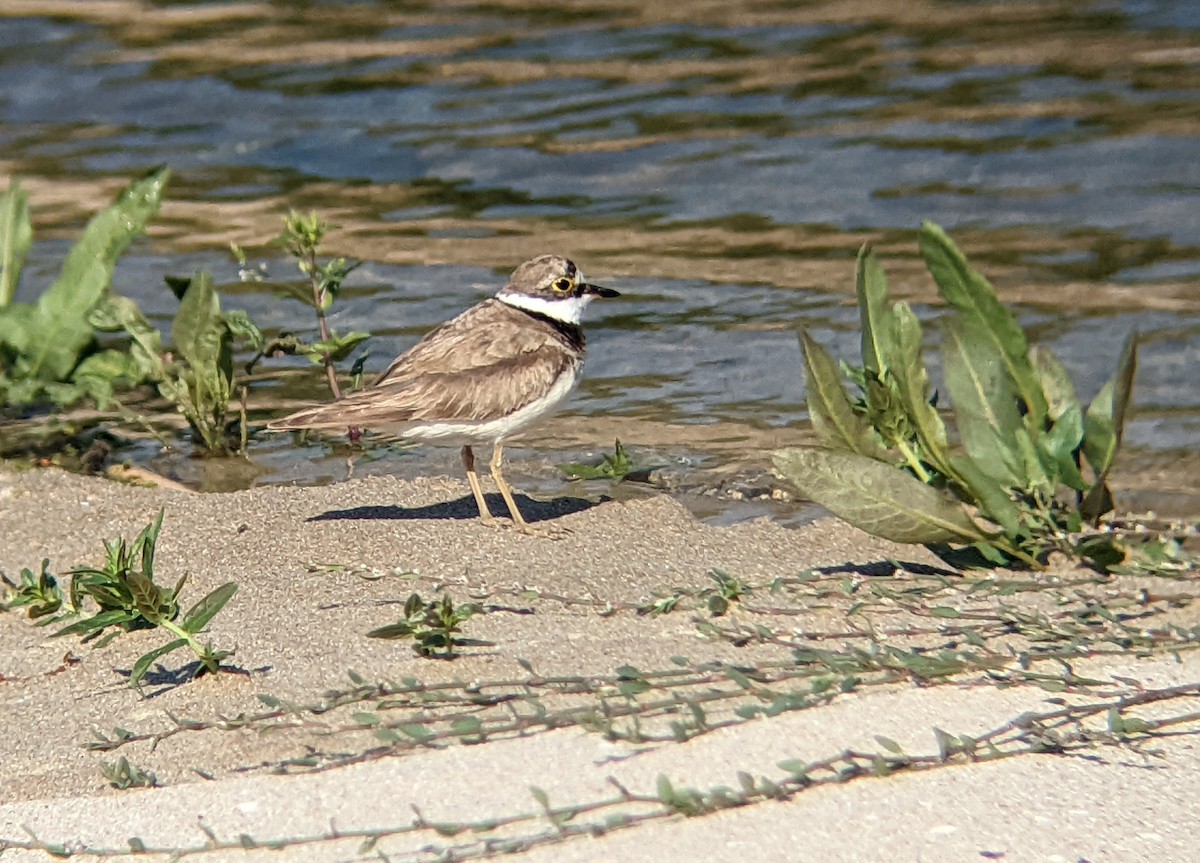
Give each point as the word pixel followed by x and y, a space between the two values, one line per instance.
pixel 568 310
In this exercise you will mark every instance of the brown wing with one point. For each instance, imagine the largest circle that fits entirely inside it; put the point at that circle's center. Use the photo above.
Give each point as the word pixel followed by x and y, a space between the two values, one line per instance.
pixel 480 366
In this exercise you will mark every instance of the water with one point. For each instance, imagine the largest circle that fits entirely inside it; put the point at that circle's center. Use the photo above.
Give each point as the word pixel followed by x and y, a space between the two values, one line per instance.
pixel 717 163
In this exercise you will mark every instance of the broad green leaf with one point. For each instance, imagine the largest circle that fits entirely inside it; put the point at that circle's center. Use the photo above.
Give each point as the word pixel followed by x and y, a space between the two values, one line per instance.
pixel 144 662
pixel 1055 382
pixel 206 609
pixel 116 314
pixel 100 374
pixel 1060 444
pixel 876 497
pixel 1105 420
pixel 403 629
pixel 147 541
pixel 202 338
pixel 59 325
pixel 178 588
pixel 972 296
pixel 985 401
pixel 994 502
pixel 829 408
pixel 148 598
pixel 240 326
pixel 16 236
pixel 197 330
pixel 1040 474
pixel 885 409
pixel 416 732
pixel 16 326
pixel 109 364
pixel 1103 427
pixel 912 384
pixel 95 623
pixel 338 347
pixel 874 311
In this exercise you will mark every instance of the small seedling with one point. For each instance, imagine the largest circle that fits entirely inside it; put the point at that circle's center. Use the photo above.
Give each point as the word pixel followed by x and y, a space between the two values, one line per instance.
pixel 729 589
pixel 433 626
pixel 128 599
pixel 39 594
pixel 614 467
pixel 122 775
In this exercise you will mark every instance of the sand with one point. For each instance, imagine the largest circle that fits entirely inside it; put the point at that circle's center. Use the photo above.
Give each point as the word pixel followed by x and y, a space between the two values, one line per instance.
pixel 319 567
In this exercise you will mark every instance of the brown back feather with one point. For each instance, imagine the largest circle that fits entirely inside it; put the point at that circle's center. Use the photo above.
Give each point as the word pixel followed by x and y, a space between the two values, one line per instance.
pixel 479 366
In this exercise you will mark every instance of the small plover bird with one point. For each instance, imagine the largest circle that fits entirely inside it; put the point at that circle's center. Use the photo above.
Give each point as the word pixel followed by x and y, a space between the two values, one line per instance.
pixel 494 370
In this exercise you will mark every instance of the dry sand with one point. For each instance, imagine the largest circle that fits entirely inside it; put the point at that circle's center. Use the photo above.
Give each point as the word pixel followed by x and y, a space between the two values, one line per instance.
pixel 298 629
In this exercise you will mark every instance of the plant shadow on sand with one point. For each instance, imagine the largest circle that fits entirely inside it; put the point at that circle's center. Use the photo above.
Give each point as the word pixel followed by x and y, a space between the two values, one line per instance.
pixel 464 508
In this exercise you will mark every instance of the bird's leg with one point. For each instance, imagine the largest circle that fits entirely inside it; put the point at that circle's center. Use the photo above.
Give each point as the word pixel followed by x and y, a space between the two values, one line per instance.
pixel 506 492
pixel 468 459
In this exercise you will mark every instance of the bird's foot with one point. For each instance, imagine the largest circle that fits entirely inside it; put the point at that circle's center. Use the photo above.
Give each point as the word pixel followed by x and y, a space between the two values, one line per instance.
pixel 542 531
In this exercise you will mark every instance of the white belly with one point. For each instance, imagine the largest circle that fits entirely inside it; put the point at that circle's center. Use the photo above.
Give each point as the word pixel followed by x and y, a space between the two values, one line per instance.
pixel 489 431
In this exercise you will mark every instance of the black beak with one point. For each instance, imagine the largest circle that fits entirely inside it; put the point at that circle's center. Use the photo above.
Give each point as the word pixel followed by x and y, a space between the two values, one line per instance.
pixel 599 291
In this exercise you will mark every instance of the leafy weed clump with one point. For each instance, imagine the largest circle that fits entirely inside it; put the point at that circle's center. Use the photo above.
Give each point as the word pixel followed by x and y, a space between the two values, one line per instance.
pixel 122 775
pixel 40 595
pixel 302 237
pixel 127 598
pixel 48 349
pixel 615 467
pixel 81 339
pixel 1032 470
pixel 434 627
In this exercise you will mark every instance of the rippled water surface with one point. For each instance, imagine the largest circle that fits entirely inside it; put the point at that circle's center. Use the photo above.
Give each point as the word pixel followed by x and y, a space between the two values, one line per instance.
pixel 718 162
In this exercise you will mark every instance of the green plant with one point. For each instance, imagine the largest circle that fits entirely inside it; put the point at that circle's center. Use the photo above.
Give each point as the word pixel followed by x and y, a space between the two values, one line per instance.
pixel 197 375
pixel 127 598
pixel 729 589
pixel 122 775
pixel 16 237
pixel 1018 487
pixel 39 595
pixel 48 349
pixel 433 626
pixel 613 467
pixel 302 236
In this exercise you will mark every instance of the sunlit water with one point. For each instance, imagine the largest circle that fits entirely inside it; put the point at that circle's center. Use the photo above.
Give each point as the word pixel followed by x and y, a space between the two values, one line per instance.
pixel 717 163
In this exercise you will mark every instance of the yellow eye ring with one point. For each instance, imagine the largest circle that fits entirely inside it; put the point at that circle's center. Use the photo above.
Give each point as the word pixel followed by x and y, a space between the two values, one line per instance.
pixel 563 285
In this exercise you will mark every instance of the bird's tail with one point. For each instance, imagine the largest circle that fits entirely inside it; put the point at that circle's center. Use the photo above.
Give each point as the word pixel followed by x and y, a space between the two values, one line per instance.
pixel 316 417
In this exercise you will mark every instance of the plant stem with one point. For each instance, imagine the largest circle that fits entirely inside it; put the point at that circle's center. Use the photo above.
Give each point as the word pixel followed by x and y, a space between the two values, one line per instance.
pixel 1011 550
pixel 913 461
pixel 245 430
pixel 180 632
pixel 318 289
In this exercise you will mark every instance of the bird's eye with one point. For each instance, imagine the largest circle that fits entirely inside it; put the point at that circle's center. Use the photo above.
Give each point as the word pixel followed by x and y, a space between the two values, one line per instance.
pixel 562 285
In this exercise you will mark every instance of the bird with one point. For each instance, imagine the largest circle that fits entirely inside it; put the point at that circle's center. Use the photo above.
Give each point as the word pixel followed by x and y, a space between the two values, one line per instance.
pixel 496 369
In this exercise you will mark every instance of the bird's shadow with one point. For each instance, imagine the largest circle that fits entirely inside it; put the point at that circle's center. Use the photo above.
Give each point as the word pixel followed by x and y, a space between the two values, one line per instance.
pixel 464 508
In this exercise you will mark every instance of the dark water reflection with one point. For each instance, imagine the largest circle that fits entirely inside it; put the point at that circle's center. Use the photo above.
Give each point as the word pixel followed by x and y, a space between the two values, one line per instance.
pixel 717 162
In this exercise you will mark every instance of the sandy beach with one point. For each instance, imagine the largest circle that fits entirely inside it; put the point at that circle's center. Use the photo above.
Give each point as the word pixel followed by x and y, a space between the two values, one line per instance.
pixel 616 699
